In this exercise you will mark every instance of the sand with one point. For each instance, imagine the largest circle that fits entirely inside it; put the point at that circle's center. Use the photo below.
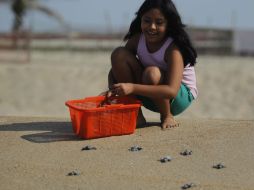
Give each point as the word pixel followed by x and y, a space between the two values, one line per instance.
pixel 38 147
pixel 38 153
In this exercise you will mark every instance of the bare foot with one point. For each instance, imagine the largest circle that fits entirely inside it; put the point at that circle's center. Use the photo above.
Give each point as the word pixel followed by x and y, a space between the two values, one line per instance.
pixel 169 122
pixel 141 121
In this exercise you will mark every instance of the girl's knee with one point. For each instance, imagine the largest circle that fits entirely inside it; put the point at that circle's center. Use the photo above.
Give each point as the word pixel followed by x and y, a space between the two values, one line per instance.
pixel 152 76
pixel 118 54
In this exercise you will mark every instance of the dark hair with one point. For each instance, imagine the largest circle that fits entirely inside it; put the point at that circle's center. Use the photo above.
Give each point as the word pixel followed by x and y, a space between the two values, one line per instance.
pixel 175 27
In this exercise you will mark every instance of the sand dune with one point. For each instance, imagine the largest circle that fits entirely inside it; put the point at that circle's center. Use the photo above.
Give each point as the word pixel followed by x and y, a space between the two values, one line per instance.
pixel 41 87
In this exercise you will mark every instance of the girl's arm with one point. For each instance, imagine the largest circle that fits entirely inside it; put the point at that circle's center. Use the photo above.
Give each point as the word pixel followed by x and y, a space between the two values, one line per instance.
pixel 173 78
pixel 132 44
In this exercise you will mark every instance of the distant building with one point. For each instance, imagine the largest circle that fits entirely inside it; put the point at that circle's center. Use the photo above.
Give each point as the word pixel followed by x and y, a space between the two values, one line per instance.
pixel 205 40
pixel 222 41
pixel 243 43
pixel 212 41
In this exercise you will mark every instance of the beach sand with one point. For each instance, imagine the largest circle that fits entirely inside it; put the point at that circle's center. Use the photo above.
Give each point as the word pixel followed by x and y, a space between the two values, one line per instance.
pixel 38 153
pixel 38 147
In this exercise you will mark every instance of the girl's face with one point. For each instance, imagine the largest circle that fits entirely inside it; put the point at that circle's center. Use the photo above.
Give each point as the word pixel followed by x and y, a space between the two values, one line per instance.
pixel 154 26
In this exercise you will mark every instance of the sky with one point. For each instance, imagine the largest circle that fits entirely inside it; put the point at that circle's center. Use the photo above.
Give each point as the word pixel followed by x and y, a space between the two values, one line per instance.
pixel 116 15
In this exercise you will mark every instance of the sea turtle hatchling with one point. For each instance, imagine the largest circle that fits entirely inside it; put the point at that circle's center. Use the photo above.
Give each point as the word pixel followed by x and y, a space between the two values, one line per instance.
pixel 186 152
pixel 135 148
pixel 188 185
pixel 74 173
pixel 89 147
pixel 219 166
pixel 165 159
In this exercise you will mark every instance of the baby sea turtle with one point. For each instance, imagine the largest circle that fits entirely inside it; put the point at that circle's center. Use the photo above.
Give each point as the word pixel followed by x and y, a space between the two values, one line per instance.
pixel 89 147
pixel 135 148
pixel 74 173
pixel 186 152
pixel 188 185
pixel 165 159
pixel 219 166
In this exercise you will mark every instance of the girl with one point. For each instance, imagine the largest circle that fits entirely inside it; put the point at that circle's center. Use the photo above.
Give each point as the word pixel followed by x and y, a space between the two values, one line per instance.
pixel 157 63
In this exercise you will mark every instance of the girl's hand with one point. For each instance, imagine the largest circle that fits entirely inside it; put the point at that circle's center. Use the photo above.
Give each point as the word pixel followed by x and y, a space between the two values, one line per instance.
pixel 122 89
pixel 108 93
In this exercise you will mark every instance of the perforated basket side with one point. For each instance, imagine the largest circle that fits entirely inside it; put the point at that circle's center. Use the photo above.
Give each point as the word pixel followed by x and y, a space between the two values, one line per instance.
pixel 109 123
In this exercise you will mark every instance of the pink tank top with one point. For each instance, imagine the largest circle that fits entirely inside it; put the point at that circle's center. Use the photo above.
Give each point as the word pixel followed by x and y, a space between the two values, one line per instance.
pixel 157 59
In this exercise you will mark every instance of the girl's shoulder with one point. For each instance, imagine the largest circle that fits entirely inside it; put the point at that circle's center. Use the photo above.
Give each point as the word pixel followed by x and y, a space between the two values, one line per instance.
pixel 171 50
pixel 132 43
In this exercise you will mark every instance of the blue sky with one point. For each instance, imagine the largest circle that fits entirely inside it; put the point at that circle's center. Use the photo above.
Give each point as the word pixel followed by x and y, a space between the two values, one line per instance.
pixel 116 15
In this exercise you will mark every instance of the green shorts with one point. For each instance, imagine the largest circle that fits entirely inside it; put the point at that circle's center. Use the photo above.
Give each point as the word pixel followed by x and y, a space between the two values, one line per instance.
pixel 177 104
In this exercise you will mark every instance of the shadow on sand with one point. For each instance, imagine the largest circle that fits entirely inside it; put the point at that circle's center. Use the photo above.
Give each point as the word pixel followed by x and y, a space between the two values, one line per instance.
pixel 50 131
pixel 150 124
pixel 47 131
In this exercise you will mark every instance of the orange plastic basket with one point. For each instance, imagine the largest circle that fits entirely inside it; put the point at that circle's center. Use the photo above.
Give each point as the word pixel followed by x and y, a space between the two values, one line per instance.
pixel 91 120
